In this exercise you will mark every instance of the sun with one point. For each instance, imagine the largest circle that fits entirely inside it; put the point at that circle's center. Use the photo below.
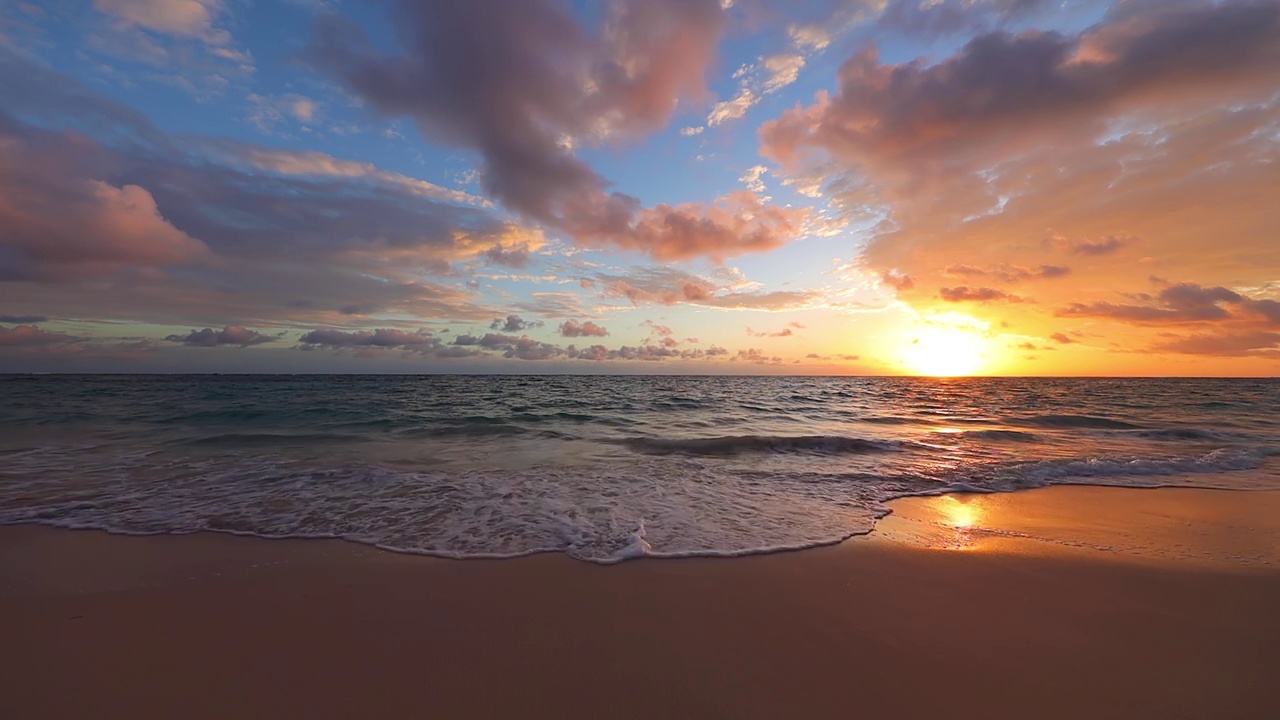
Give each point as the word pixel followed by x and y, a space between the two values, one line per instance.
pixel 945 352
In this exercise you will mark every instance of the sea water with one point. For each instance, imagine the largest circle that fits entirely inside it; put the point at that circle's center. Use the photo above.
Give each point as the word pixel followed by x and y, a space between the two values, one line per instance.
pixel 600 468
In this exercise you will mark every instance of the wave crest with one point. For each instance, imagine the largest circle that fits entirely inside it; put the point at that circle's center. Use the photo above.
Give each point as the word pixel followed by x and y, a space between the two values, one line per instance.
pixel 767 444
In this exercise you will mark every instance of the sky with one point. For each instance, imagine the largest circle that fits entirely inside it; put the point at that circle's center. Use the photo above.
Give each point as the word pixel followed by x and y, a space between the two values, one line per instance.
pixel 830 187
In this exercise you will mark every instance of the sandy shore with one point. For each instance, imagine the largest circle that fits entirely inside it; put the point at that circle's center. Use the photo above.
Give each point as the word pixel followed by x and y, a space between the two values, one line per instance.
pixel 1059 603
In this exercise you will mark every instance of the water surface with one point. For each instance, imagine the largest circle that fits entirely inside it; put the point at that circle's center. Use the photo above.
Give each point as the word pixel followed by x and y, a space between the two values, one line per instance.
pixel 602 468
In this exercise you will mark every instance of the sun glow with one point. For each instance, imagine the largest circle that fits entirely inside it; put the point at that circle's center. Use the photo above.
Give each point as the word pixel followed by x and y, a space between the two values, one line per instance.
pixel 960 514
pixel 945 351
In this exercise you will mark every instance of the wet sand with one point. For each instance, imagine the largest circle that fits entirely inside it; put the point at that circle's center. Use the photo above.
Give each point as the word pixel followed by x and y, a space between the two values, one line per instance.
pixel 1058 603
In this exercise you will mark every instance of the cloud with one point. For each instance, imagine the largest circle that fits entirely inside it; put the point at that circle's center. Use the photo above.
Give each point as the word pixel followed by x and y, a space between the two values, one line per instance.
pixel 267 113
pixel 1061 338
pixel 970 159
pixel 949 17
pixel 897 280
pixel 512 347
pixel 669 286
pixel 733 108
pixel 965 293
pixel 114 214
pixel 1008 273
pixel 23 319
pixel 513 323
pixel 784 332
pixel 516 257
pixel 314 163
pixel 1000 89
pixel 572 328
pixel 1224 345
pixel 191 18
pixel 1106 245
pixel 60 221
pixel 173 35
pixel 737 223
pixel 1181 303
pixel 379 342
pixel 781 70
pixel 752 178
pixel 644 353
pixel 229 335
pixel 754 356
pixel 30 335
pixel 554 305
pixel 382 337
pixel 524 85
pixel 764 77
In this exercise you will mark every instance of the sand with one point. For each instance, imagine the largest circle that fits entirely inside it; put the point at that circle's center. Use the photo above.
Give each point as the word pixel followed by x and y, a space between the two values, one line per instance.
pixel 1058 603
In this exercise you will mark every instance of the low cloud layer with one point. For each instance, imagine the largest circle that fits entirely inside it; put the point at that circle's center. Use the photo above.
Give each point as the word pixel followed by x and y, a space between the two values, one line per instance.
pixel 229 335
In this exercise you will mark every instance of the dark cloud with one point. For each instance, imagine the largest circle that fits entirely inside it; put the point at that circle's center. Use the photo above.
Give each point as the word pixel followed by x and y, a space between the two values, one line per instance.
pixel 573 328
pixel 645 353
pixel 965 293
pixel 513 323
pixel 1180 303
pixel 379 338
pixel 229 335
pixel 1002 88
pixel 1224 345
pixel 23 319
pixel 1061 338
pixel 517 257
pixel 511 346
pixel 524 85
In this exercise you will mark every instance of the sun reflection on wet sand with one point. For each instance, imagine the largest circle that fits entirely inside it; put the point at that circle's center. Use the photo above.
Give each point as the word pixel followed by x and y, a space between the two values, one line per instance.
pixel 963 515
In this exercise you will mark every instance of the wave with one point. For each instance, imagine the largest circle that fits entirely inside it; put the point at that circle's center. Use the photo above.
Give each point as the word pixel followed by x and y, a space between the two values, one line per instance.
pixel 889 420
pixel 1185 434
pixel 998 435
pixel 1076 421
pixel 267 439
pixel 1103 470
pixel 475 430
pixel 743 444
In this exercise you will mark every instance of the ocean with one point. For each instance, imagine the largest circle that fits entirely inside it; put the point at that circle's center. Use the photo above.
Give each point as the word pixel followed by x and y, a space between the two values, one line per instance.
pixel 601 468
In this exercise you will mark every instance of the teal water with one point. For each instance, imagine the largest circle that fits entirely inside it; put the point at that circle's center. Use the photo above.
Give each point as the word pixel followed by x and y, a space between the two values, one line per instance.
pixel 602 468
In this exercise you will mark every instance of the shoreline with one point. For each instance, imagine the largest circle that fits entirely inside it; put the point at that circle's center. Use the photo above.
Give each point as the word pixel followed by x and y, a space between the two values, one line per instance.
pixel 922 521
pixel 1068 602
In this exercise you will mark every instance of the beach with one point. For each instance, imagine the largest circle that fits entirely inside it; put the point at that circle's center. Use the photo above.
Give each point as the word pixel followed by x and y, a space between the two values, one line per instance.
pixel 1064 602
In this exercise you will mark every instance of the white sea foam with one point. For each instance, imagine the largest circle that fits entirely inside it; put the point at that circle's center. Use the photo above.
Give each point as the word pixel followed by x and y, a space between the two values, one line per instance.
pixel 656 507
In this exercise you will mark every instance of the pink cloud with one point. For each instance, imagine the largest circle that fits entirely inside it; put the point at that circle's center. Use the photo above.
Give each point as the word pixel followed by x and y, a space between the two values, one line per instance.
pixel 59 222
pixel 572 328
pixel 30 335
